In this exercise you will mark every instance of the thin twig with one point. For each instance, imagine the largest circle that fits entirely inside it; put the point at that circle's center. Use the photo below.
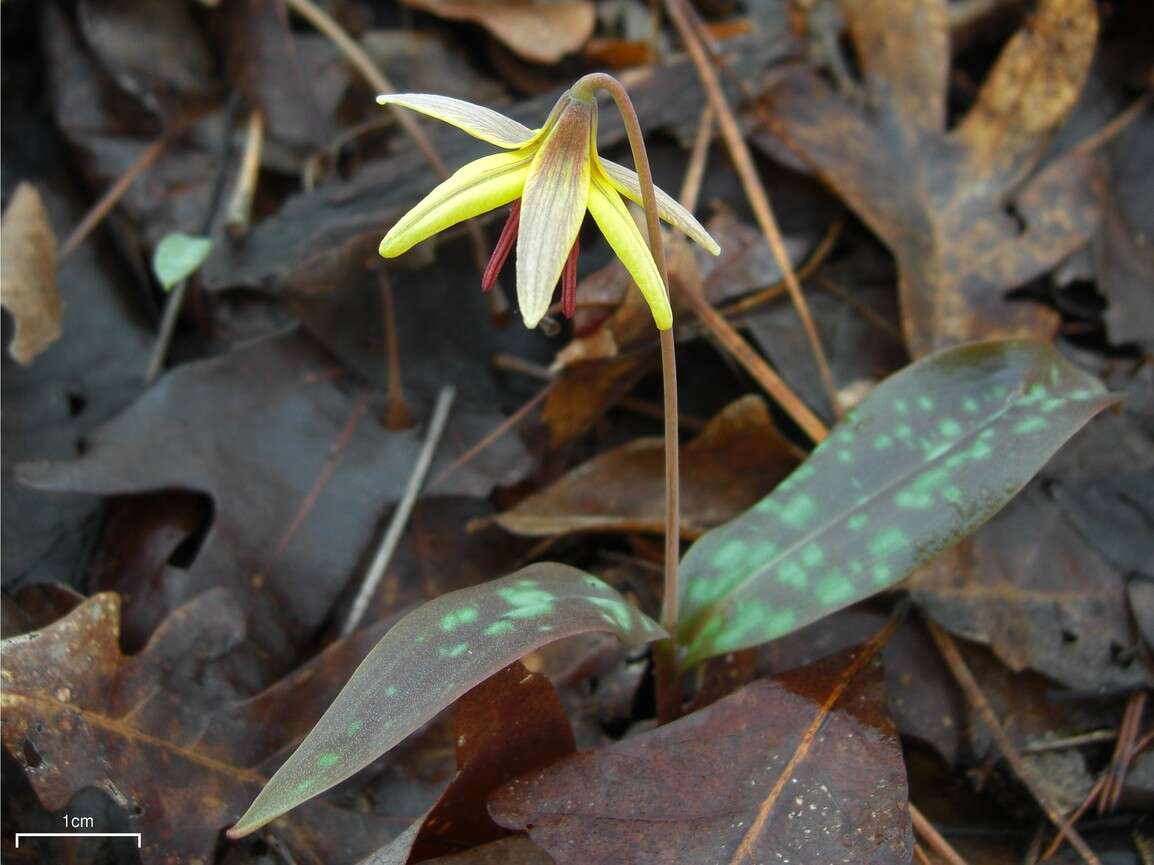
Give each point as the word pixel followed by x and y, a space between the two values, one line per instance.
pixel 933 838
pixel 1123 752
pixel 404 508
pixel 361 61
pixel 238 215
pixel 753 363
pixel 1022 769
pixel 505 426
pixel 1091 797
pixel 755 192
pixel 397 414
pixel 698 157
pixel 115 192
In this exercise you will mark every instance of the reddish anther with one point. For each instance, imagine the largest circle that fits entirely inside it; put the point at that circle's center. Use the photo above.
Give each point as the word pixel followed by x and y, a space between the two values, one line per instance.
pixel 569 281
pixel 503 248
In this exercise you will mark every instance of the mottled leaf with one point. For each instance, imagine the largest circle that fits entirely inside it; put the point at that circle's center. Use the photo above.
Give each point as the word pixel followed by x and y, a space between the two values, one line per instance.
pixel 433 656
pixel 927 457
pixel 805 769
pixel 163 734
pixel 178 256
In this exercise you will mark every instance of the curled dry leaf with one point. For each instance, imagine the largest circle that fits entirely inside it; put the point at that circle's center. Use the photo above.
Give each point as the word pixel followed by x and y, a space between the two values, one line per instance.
pixel 541 32
pixel 28 287
pixel 736 459
pixel 938 198
pixel 804 768
pixel 78 713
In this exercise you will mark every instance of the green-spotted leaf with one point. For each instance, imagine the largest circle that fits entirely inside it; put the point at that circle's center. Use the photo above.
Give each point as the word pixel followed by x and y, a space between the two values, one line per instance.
pixel 932 453
pixel 430 658
pixel 178 256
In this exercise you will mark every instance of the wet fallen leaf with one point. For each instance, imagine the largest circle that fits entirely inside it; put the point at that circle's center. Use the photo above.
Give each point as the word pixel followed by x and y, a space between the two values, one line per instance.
pixel 975 223
pixel 926 458
pixel 152 728
pixel 299 470
pixel 1030 588
pixel 806 767
pixel 28 287
pixel 515 850
pixel 265 63
pixel 736 459
pixel 510 724
pixel 541 32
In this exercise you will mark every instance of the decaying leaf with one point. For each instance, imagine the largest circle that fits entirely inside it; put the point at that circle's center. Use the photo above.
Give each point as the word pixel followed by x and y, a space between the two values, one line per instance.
pixel 28 287
pixel 299 469
pixel 805 768
pixel 541 32
pixel 1062 613
pixel 433 656
pixel 932 453
pixel 510 724
pixel 733 462
pixel 946 202
pixel 150 729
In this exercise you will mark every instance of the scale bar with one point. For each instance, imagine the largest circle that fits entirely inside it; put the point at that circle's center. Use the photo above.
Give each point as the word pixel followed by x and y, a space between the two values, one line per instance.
pixel 135 835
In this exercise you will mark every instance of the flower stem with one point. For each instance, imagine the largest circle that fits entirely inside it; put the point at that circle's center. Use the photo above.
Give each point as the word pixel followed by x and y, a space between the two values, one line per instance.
pixel 665 656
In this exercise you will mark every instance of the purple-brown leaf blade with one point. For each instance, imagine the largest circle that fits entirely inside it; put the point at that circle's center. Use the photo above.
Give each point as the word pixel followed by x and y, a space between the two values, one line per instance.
pixel 805 768
pixel 931 454
pixel 430 658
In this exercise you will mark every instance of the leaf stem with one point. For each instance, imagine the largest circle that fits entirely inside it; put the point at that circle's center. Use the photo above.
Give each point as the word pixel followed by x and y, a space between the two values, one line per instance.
pixel 668 680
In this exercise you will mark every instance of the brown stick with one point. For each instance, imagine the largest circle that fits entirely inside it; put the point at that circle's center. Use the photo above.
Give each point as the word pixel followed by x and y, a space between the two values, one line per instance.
pixel 239 210
pixel 398 415
pixel 973 692
pixel 115 192
pixel 934 838
pixel 361 61
pixel 754 190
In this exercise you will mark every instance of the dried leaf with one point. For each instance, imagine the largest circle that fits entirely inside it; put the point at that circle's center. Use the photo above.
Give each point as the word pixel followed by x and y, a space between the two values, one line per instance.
pixel 735 460
pixel 541 32
pixel 1028 586
pixel 510 724
pixel 940 199
pixel 78 713
pixel 927 457
pixel 433 656
pixel 806 768
pixel 299 470
pixel 28 287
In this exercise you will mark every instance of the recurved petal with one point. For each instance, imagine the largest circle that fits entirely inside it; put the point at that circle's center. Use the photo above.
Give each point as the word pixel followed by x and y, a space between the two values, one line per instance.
pixel 477 120
pixel 553 207
pixel 627 183
pixel 612 217
pixel 476 188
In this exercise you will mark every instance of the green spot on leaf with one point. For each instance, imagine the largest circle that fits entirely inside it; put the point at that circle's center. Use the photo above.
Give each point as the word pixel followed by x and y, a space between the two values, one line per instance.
pixel 1030 425
pixel 812 556
pixel 454 620
pixel 888 541
pixel 327 759
pixel 883 442
pixel 354 727
pixel 799 511
pixel 792 574
pixel 453 651
pixel 499 628
pixel 834 589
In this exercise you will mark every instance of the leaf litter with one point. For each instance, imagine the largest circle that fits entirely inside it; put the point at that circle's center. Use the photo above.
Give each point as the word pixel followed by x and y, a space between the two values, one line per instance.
pixel 181 555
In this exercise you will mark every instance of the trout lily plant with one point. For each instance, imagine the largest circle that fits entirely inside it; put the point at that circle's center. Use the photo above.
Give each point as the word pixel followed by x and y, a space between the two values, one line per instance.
pixel 553 175
pixel 927 457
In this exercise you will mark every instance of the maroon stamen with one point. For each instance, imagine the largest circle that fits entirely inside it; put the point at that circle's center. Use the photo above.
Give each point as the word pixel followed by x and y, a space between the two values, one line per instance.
pixel 569 281
pixel 502 249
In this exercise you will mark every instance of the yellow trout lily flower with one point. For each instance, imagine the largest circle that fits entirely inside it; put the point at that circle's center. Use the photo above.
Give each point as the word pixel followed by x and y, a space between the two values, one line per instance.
pixel 553 174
